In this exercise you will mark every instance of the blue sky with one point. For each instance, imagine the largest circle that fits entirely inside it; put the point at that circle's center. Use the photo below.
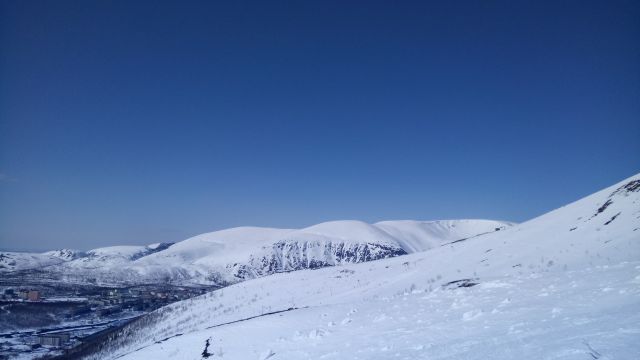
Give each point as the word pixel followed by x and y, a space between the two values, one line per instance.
pixel 133 122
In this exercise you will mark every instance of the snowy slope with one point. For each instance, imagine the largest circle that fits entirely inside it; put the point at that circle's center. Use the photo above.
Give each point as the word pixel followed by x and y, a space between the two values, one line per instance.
pixel 14 261
pixel 115 255
pixel 414 236
pixel 565 285
pixel 249 252
pixel 237 254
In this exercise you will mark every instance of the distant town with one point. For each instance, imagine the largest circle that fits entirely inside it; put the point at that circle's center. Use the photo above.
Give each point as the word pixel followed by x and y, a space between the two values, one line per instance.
pixel 48 320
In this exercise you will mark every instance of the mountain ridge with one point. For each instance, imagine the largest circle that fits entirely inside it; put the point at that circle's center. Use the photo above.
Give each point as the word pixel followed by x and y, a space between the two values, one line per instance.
pixel 237 254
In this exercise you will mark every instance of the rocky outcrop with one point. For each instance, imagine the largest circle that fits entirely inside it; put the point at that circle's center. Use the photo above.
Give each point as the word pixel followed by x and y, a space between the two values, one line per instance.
pixel 286 256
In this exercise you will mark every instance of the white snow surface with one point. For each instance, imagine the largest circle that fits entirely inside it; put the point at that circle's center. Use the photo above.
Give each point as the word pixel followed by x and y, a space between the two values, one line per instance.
pixel 14 261
pixel 415 236
pixel 236 254
pixel 565 285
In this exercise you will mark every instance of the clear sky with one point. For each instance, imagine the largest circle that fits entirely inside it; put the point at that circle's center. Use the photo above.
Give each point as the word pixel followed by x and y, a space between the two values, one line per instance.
pixel 134 122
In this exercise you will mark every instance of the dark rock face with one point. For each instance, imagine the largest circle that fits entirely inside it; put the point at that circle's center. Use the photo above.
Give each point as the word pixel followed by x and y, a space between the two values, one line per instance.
pixel 612 218
pixel 66 254
pixel 603 207
pixel 6 261
pixel 624 190
pixel 149 251
pixel 286 256
pixel 460 283
pixel 631 186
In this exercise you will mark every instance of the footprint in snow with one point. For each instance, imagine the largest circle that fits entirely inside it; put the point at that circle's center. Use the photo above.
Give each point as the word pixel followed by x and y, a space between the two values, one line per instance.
pixel 470 315
pixel 421 347
pixel 298 335
pixel 381 317
pixel 317 333
pixel 456 304
pixel 345 321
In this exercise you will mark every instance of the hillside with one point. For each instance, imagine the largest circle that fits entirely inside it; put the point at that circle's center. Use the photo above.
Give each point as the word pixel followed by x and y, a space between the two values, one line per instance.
pixel 565 285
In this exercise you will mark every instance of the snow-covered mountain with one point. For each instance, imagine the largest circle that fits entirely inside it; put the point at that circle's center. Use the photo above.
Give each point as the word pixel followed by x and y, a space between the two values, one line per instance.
pixel 565 285
pixel 57 260
pixel 116 255
pixel 15 261
pixel 232 255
